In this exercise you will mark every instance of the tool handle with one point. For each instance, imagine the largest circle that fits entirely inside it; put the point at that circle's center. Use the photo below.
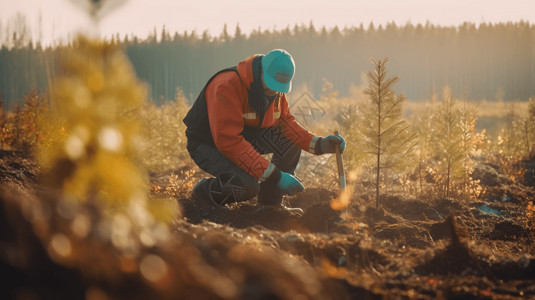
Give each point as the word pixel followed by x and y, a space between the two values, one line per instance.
pixel 340 164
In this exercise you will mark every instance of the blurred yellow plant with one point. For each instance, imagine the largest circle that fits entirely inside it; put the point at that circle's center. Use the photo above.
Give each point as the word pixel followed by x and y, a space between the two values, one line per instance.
pixel 96 101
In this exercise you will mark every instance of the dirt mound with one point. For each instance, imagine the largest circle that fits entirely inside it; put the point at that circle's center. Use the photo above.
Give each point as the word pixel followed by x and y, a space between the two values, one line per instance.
pixel 404 234
pixel 459 258
pixel 446 206
pixel 488 175
pixel 318 216
pixel 409 209
pixel 440 230
pixel 374 216
pixel 456 257
pixel 508 230
pixel 239 215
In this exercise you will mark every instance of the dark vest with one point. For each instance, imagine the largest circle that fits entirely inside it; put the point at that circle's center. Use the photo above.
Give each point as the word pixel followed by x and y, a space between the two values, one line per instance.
pixel 197 122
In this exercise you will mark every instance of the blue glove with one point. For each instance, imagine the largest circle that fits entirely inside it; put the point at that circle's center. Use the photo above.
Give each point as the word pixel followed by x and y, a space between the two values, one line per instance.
pixel 289 184
pixel 329 142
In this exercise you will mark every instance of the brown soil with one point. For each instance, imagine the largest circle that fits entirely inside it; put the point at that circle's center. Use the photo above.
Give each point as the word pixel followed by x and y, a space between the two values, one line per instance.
pixel 407 248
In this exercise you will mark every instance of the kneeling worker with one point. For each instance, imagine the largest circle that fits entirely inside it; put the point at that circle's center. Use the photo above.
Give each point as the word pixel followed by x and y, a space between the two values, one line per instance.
pixel 241 113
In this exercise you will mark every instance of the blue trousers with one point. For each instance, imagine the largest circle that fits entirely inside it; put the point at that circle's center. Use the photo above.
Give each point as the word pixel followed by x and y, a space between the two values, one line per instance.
pixel 242 185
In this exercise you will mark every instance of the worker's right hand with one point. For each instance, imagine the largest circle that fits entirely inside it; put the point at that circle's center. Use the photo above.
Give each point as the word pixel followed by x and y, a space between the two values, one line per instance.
pixel 289 184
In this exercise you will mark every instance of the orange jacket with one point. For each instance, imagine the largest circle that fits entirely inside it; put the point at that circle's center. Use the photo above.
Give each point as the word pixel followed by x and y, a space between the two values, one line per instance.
pixel 230 115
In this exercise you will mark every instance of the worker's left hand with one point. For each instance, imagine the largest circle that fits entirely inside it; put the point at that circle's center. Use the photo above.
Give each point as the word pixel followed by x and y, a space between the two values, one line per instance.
pixel 328 143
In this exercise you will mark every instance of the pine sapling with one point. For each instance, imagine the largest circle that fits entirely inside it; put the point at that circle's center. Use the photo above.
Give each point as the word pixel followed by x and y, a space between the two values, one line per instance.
pixel 383 135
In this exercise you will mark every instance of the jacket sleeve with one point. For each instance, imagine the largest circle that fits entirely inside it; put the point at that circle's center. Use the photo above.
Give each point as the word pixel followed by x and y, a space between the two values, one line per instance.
pixel 225 113
pixel 294 131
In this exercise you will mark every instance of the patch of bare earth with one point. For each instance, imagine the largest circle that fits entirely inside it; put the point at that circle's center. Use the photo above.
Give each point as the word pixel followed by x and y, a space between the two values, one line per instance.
pixel 406 248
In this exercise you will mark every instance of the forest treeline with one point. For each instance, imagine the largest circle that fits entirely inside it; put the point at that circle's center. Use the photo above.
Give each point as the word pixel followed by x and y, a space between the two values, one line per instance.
pixel 485 61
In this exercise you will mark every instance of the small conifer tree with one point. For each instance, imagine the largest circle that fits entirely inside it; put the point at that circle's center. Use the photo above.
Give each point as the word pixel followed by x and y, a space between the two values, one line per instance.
pixel 470 142
pixel 423 124
pixel 33 112
pixel 384 137
pixel 510 138
pixel 16 127
pixel 446 141
pixel 454 139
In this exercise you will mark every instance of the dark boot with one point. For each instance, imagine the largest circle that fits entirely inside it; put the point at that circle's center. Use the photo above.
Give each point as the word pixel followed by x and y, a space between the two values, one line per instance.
pixel 269 194
pixel 270 197
pixel 221 190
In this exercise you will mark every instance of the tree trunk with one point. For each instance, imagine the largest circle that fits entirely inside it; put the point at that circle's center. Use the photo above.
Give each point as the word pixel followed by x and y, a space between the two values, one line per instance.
pixel 379 102
pixel 377 187
pixel 448 180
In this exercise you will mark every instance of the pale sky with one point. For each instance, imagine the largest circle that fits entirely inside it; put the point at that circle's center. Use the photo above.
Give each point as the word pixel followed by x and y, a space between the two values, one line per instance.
pixel 63 18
